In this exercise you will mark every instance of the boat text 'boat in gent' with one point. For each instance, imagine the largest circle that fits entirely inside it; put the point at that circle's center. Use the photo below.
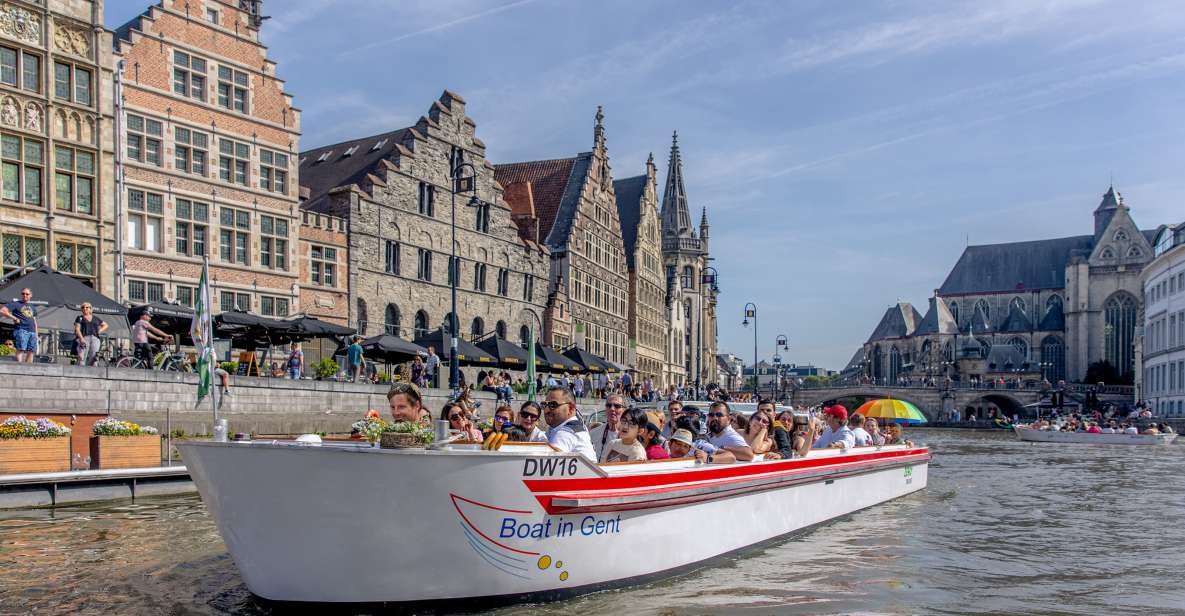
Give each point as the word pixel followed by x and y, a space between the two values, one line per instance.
pixel 338 522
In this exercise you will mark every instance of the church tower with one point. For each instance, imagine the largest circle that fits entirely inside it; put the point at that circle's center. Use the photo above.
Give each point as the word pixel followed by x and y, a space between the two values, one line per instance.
pixel 685 255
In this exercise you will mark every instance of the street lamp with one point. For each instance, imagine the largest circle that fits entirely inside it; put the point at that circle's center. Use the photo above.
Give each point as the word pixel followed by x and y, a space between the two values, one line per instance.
pixel 780 343
pixel 751 313
pixel 707 279
pixel 460 183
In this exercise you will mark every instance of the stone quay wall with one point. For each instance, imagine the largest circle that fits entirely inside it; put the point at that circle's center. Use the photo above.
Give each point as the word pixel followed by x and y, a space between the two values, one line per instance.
pixel 165 400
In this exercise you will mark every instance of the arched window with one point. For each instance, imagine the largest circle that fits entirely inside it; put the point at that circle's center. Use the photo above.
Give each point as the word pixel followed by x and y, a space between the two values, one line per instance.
pixel 1107 253
pixel 524 336
pixel 1053 359
pixel 1134 252
pixel 1119 332
pixel 686 309
pixel 500 329
pixel 954 311
pixel 447 323
pixel 391 320
pixel 1121 236
pixel 361 316
pixel 948 352
pixel 1021 345
pixel 987 310
pixel 1053 303
pixel 878 368
pixel 688 277
pixel 894 366
pixel 478 328
pixel 1017 303
pixel 421 323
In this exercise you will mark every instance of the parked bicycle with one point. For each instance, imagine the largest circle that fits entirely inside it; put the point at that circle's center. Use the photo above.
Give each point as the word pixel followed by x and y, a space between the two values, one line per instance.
pixel 160 360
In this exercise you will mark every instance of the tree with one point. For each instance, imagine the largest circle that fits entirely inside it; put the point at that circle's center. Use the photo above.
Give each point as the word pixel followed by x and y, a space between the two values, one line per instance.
pixel 1102 372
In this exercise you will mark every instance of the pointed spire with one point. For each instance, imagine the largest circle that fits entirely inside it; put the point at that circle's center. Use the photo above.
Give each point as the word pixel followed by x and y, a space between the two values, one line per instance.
pixel 599 128
pixel 703 219
pixel 650 159
pixel 676 221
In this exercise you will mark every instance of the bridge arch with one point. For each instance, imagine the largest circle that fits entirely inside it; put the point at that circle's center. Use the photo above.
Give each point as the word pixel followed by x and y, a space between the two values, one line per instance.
pixel 982 403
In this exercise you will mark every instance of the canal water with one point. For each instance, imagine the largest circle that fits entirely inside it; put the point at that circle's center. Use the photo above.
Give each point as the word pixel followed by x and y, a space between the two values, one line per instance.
pixel 1004 528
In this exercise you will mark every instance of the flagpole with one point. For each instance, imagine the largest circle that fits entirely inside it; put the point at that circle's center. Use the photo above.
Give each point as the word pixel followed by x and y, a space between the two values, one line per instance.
pixel 216 390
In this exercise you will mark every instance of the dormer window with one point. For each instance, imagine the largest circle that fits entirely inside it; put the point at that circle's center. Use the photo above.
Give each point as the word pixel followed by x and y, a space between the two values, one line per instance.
pixel 378 145
pixel 1121 236
pixel 350 151
pixel 1134 253
pixel 1107 253
pixel 324 156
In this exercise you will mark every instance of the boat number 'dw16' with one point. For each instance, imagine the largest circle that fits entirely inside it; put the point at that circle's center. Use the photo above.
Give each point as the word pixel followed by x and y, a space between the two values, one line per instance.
pixel 550 467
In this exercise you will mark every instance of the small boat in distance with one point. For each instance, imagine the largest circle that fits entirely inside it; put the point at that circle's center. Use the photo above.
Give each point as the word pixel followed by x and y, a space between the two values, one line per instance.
pixel 347 523
pixel 1026 433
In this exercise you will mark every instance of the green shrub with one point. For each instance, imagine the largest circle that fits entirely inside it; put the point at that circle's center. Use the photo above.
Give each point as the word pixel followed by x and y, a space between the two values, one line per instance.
pixel 231 367
pixel 326 368
pixel 6 350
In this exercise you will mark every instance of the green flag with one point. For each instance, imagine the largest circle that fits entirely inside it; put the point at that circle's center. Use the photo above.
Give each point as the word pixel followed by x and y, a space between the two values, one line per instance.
pixel 201 331
pixel 531 364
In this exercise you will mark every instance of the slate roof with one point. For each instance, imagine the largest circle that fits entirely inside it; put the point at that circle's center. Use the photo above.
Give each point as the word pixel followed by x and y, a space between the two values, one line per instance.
pixel 857 361
pixel 1016 321
pixel 551 188
pixel 1001 355
pixel 900 320
pixel 341 170
pixel 1038 264
pixel 629 209
pixel 1054 319
pixel 938 320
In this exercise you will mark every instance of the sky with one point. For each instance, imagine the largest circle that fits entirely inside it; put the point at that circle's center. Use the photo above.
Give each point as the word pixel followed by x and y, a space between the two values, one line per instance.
pixel 846 152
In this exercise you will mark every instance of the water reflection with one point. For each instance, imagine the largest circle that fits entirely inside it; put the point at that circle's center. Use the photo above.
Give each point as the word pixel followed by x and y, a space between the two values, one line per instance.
pixel 1004 527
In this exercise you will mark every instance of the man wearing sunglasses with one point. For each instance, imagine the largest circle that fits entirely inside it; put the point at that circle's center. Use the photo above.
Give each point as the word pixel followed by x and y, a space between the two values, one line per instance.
pixel 24 315
pixel 567 432
pixel 604 434
pixel 731 446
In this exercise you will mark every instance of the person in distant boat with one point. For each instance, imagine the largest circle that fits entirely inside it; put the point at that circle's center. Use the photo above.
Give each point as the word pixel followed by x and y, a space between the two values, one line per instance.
pixel 567 432
pixel 837 434
pixel 405 402
pixel 730 446
pixel 1151 429
pixel 874 431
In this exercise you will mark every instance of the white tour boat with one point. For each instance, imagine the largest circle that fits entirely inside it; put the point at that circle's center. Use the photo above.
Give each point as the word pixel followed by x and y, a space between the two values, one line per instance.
pixel 345 522
pixel 1026 433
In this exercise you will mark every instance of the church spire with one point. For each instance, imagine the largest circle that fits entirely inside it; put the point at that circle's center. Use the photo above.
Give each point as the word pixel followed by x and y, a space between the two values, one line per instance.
pixel 676 220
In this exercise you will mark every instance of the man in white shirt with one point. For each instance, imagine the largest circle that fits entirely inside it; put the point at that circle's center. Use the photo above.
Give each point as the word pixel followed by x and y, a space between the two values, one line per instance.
pixel 856 425
pixel 604 434
pixel 731 447
pixel 568 432
pixel 836 434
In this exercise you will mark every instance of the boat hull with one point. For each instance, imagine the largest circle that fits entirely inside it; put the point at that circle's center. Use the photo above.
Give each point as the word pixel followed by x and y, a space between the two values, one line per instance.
pixel 359 525
pixel 1049 436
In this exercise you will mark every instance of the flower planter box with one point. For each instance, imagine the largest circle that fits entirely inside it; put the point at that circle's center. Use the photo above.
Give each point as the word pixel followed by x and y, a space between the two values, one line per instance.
pixel 141 451
pixel 400 440
pixel 34 455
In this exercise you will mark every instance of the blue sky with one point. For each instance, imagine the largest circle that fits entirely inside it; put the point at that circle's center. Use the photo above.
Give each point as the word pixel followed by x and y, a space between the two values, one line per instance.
pixel 846 151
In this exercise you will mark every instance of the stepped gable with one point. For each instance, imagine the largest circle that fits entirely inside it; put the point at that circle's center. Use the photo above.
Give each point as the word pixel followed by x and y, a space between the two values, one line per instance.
pixel 900 320
pixel 1016 321
pixel 548 181
pixel 339 169
pixel 938 320
pixel 628 193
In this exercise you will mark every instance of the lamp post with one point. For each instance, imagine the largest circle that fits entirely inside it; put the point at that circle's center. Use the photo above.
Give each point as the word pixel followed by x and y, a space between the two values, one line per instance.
pixel 780 343
pixel 751 313
pixel 460 183
pixel 708 279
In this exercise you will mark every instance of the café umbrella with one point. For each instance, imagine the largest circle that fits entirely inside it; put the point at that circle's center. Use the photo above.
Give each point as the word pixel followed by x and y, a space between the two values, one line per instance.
pixel 892 411
pixel 467 353
pixel 509 354
pixel 391 349
pixel 58 299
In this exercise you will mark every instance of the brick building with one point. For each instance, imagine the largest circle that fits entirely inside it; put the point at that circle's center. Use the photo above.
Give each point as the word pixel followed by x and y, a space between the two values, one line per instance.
pixel 55 138
pixel 573 201
pixel 323 260
pixel 393 189
pixel 209 158
pixel 637 207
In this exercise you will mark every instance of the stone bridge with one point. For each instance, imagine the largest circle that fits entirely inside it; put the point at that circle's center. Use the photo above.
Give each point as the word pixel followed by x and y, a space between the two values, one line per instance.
pixel 930 400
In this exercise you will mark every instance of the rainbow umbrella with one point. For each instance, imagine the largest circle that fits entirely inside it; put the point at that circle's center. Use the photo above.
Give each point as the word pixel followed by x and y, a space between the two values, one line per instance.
pixel 898 411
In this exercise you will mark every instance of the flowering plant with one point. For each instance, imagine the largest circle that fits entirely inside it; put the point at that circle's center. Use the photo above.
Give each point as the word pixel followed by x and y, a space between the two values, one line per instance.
pixel 21 427
pixel 372 426
pixel 110 426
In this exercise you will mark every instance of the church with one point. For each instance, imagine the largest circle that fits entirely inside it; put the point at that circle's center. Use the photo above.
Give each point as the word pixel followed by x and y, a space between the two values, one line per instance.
pixel 1045 309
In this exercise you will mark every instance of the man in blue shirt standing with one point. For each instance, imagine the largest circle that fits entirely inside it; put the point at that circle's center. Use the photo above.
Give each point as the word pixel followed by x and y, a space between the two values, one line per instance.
pixel 836 434
pixel 354 359
pixel 24 315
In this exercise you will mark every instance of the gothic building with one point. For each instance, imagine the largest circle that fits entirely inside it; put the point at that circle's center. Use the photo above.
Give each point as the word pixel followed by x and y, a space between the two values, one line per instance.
pixel 56 136
pixel 569 206
pixel 685 257
pixel 394 192
pixel 1046 308
pixel 637 206
pixel 208 159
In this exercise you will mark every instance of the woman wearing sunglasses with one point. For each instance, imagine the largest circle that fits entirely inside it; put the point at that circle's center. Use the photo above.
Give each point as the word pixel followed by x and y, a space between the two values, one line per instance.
pixel 459 421
pixel 528 420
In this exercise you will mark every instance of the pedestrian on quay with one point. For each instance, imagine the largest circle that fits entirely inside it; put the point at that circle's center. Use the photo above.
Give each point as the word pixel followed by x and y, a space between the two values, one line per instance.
pixel 24 316
pixel 87 329
pixel 431 366
pixel 354 361
pixel 142 331
pixel 295 361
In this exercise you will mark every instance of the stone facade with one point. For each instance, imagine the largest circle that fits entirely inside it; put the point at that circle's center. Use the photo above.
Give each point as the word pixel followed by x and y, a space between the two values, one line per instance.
pixel 393 190
pixel 579 223
pixel 1160 375
pixel 637 206
pixel 1060 305
pixel 56 129
pixel 209 157
pixel 685 257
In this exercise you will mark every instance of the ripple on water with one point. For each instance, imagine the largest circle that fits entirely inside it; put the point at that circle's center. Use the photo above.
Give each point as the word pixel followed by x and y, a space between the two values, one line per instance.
pixel 1004 527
